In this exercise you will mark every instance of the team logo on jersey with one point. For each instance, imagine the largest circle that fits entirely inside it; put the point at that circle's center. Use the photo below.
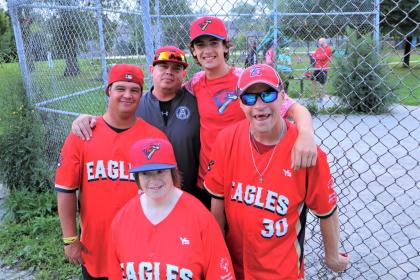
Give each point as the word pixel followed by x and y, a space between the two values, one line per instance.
pixel 332 197
pixel 223 98
pixel 203 25
pixel 184 241
pixel 182 113
pixel 209 165
pixel 128 76
pixel 287 173
pixel 224 264
pixel 255 71
pixel 150 150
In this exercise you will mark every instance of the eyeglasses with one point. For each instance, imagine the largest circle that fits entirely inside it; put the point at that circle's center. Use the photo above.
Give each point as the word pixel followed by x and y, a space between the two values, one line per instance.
pixel 167 55
pixel 250 98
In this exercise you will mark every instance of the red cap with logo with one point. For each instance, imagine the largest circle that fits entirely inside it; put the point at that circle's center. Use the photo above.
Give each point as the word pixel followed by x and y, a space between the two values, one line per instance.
pixel 127 73
pixel 211 26
pixel 152 154
pixel 171 54
pixel 259 74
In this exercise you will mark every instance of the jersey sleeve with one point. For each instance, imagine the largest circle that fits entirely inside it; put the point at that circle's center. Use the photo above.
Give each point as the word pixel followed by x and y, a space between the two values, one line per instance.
pixel 321 197
pixel 68 173
pixel 287 103
pixel 214 179
pixel 217 258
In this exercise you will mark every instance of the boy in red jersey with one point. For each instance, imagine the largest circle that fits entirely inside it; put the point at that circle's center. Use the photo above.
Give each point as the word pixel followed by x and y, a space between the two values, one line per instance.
pixel 215 90
pixel 262 200
pixel 99 170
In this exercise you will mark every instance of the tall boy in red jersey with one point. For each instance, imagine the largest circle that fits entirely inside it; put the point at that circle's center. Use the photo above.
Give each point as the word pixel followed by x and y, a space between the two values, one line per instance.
pixel 99 170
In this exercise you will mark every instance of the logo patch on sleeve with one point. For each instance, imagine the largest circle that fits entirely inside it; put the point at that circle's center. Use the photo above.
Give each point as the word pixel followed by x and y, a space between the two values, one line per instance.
pixel 210 165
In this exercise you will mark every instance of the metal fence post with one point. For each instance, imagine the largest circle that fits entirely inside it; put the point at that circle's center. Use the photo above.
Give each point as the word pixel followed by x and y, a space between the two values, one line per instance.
pixel 158 42
pixel 376 32
pixel 102 43
pixel 147 28
pixel 12 6
pixel 275 32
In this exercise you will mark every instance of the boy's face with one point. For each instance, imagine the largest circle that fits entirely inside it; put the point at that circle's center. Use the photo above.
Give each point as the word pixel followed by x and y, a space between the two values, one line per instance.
pixel 124 97
pixel 263 117
pixel 210 52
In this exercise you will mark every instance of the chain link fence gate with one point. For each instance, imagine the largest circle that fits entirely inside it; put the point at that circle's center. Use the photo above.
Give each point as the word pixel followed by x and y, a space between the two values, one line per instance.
pixel 66 47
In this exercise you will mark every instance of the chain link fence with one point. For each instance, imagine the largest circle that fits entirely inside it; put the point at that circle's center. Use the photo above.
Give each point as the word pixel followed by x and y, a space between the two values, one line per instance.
pixel 368 124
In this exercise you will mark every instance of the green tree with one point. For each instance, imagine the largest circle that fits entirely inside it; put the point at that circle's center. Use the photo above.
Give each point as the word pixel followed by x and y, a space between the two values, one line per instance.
pixel 72 28
pixel 312 27
pixel 244 21
pixel 401 18
pixel 175 29
pixel 7 39
pixel 360 81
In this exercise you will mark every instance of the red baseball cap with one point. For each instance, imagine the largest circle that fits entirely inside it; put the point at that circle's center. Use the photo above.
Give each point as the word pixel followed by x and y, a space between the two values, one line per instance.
pixel 259 74
pixel 211 26
pixel 171 54
pixel 127 73
pixel 152 154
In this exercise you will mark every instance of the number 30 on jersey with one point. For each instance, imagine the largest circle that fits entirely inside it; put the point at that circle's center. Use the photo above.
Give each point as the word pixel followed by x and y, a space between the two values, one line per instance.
pixel 271 228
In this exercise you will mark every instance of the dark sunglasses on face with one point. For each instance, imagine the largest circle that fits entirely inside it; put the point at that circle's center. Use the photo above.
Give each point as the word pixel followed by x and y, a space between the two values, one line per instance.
pixel 171 56
pixel 250 98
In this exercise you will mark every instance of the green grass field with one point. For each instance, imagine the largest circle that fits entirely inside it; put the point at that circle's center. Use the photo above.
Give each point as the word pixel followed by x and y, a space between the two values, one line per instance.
pixel 49 84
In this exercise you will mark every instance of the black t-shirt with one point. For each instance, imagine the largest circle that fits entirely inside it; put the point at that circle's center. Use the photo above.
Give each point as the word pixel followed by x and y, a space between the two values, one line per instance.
pixel 165 107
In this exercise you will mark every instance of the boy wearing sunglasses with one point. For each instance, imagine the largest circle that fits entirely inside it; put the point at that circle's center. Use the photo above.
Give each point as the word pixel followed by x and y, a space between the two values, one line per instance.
pixel 218 104
pixel 261 199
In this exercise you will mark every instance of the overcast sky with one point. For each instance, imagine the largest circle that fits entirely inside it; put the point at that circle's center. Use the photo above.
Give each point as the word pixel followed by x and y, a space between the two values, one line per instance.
pixel 3 4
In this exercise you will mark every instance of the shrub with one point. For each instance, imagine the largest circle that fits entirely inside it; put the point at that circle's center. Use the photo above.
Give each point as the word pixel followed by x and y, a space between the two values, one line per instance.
pixel 32 237
pixel 22 163
pixel 360 80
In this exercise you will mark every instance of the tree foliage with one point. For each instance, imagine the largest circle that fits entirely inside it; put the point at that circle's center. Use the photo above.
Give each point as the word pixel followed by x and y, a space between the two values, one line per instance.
pixel 7 39
pixel 401 18
pixel 174 33
pixel 360 81
pixel 22 162
pixel 321 24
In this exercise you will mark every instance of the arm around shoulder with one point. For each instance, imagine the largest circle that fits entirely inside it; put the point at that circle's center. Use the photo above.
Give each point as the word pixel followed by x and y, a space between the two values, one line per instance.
pixel 304 152
pixel 82 126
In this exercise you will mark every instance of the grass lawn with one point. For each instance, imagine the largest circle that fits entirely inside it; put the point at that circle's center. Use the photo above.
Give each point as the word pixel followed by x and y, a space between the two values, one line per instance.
pixel 48 84
pixel 10 83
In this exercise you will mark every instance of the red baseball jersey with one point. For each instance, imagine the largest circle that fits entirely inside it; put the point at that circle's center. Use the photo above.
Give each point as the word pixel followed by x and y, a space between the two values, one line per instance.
pixel 187 244
pixel 99 169
pixel 266 221
pixel 218 105
pixel 322 57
